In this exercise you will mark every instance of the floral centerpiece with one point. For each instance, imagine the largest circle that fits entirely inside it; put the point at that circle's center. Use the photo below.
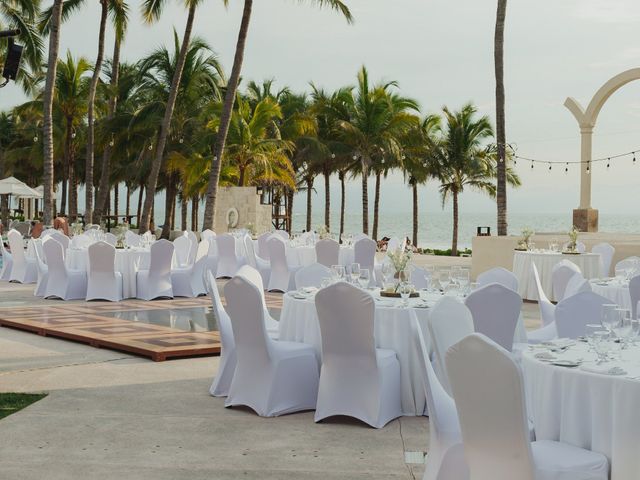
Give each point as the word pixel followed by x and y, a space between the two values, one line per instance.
pixel 525 238
pixel 77 228
pixel 251 228
pixel 573 240
pixel 323 232
pixel 400 259
pixel 119 231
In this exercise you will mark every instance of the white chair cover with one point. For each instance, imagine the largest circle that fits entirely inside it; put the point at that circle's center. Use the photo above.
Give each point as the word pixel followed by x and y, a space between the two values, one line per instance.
pixel 273 378
pixel 445 459
pixel 193 251
pixel 81 241
pixel 577 311
pixel 132 239
pixel 282 234
pixel 228 261
pixel 495 310
pixel 356 378
pixel 188 281
pixel 628 263
pixel 606 252
pixel 7 263
pixel 576 284
pixel 104 283
pixel 156 282
pixel 328 252
pixel 182 249
pixel 111 239
pixel 420 277
pixel 263 249
pixel 489 394
pixel 395 243
pixel 263 266
pixel 498 275
pixel 449 323
pixel 634 293
pixel 62 282
pixel 23 269
pixel 560 275
pixel 364 253
pixel 253 276
pixel 312 275
pixel 61 238
pixel 43 271
pixel 547 312
pixel 207 234
pixel 227 366
pixel 282 276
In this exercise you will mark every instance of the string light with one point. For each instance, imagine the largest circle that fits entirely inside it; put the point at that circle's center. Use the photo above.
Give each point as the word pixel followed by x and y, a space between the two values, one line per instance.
pixel 35 138
pixel 566 168
pixel 608 162
pixel 549 166
pixel 181 140
pixel 588 168
pixel 112 141
pixel 150 147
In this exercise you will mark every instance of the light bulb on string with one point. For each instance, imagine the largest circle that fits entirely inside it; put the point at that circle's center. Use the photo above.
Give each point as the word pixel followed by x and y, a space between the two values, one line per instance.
pixel 634 158
pixel 112 141
pixel 181 140
pixel 150 147
pixel 531 164
pixel 549 166
pixel 35 139
pixel 588 168
pixel 566 168
pixel 608 162
pixel 333 155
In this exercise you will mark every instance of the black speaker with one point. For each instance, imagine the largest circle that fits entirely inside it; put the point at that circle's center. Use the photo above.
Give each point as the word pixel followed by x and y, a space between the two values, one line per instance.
pixel 12 61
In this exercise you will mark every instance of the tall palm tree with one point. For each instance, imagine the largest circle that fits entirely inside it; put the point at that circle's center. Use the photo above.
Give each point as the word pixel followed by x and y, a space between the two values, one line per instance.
pixel 498 54
pixel 54 44
pixel 464 162
pixel 230 96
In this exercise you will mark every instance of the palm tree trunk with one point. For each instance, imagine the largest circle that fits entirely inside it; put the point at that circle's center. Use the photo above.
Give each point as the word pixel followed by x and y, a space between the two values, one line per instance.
pixel 309 190
pixel 184 204
pixel 376 207
pixel 73 183
pixel 47 123
pixel 64 192
pixel 365 198
pixel 289 206
pixel 166 121
pixel 498 53
pixel 103 188
pixel 327 199
pixel 127 210
pixel 116 198
pixel 414 187
pixel 88 182
pixel 225 117
pixel 342 203
pixel 194 213
pixel 140 193
pixel 169 202
pixel 454 242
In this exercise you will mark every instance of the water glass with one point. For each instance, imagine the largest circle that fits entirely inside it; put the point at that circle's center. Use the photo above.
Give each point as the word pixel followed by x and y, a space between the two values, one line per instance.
pixel 355 272
pixel 602 346
pixel 623 328
pixel 609 317
pixel 405 290
pixel 444 278
pixel 364 278
pixel 590 330
pixel 335 272
pixel 462 278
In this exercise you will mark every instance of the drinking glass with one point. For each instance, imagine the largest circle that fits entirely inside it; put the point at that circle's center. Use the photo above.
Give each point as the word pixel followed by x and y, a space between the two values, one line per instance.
pixel 635 331
pixel 601 346
pixel 462 278
pixel 623 328
pixel 334 273
pixel 387 272
pixel 341 272
pixel 532 246
pixel 355 272
pixel 364 278
pixel 405 292
pixel 609 317
pixel 444 278
pixel 590 330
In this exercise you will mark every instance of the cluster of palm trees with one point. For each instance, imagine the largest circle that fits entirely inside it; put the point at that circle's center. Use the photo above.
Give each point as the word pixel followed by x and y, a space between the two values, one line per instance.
pixel 173 121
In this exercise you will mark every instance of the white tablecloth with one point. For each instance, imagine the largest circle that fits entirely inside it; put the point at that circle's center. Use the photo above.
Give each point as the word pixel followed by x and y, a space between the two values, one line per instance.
pixel 306 255
pixel 589 410
pixel 617 292
pixel 589 264
pixel 128 262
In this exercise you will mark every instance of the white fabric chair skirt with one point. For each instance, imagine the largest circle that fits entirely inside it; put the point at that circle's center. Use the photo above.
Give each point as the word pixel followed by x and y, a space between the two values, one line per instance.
pixel 589 264
pixel 128 262
pixel 594 411
pixel 306 255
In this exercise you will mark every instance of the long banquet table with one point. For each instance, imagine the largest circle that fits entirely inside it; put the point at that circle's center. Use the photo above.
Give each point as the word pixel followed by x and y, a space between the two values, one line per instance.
pixel 589 264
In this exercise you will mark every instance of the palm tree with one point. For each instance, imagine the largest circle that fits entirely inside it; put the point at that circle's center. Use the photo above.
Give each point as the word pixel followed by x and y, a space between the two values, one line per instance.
pixel 230 96
pixel 464 162
pixel 54 44
pixel 498 54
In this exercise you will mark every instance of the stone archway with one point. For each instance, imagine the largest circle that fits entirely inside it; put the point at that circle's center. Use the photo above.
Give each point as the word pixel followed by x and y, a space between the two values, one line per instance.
pixel 585 218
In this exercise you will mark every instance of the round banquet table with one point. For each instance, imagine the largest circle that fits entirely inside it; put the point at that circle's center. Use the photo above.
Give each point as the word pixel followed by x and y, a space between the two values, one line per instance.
pixel 589 264
pixel 596 411
pixel 128 262
pixel 615 290
pixel 306 255
pixel 392 330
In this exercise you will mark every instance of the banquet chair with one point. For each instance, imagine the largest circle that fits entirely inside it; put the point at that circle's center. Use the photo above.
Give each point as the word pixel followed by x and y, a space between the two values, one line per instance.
pixel 580 247
pixel 445 457
pixel 356 378
pixel 104 282
pixel 498 275
pixel 573 314
pixel 24 269
pixel 263 248
pixel 282 234
pixel 7 263
pixel 62 282
pixel 496 311
pixel 227 364
pixel 156 281
pixel 228 260
pixel 364 253
pixel 395 243
pixel 449 323
pixel 282 276
pixel 420 277
pixel 328 252
pixel 576 284
pixel 560 275
pixel 182 249
pixel 81 241
pixel 252 275
pixel 43 270
pixel 628 263
pixel 132 239
pixel 634 294
pixel 193 251
pixel 312 275
pixel 273 378
pixel 61 238
pixel 111 239
pixel 207 234
pixel 263 266
pixel 606 253
pixel 488 390
pixel 359 236
pixel 547 313
pixel 188 280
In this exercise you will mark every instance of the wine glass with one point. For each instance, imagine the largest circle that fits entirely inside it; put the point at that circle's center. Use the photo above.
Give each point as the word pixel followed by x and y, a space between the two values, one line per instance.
pixel 609 317
pixel 462 278
pixel 364 278
pixel 405 292
pixel 623 328
pixel 355 272
pixel 387 272
pixel 590 330
pixel 334 273
pixel 444 278
pixel 601 346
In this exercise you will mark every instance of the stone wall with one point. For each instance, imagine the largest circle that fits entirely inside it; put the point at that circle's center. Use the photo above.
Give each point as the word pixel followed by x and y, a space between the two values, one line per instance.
pixel 246 202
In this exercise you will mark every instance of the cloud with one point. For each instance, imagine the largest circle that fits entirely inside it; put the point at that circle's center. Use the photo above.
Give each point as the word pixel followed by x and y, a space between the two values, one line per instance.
pixel 609 11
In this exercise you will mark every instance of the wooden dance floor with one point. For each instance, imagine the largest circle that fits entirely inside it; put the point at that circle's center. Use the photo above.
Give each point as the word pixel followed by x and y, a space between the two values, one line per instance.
pixel 105 325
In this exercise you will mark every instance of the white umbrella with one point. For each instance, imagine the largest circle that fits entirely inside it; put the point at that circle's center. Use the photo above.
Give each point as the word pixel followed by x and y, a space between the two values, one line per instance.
pixel 13 186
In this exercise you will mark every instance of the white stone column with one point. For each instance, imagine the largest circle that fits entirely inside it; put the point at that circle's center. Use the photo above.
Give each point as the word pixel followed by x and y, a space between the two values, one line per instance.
pixel 586 169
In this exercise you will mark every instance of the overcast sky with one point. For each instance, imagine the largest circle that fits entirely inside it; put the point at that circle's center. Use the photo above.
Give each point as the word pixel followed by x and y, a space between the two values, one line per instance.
pixel 441 53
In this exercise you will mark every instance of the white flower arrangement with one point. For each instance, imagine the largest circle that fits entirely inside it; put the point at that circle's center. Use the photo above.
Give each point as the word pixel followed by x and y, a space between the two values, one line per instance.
pixel 573 239
pixel 251 228
pixel 323 232
pixel 400 259
pixel 77 228
pixel 525 238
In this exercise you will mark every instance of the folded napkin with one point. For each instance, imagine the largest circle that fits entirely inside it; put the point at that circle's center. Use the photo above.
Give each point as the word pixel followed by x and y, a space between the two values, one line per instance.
pixel 603 369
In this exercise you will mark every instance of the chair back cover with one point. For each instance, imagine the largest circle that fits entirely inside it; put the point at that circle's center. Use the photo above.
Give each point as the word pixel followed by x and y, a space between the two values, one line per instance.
pixel 606 252
pixel 250 254
pixel 547 309
pixel 102 262
pixel 61 238
pixel 489 393
pixel 560 275
pixel 111 239
pixel 364 253
pixel 576 284
pixel 182 246
pixel 395 243
pixel 224 376
pixel 634 293
pixel 16 244
pixel 575 312
pixel 328 252
pixel 207 234
pixel 282 234
pixel 161 253
pixel 54 256
pixel 312 275
pixel 420 277
pixel 132 239
pixel 449 323
pixel 263 249
pixel 194 246
pixel 628 263
pixel 278 259
pixel 498 275
pixel 496 310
